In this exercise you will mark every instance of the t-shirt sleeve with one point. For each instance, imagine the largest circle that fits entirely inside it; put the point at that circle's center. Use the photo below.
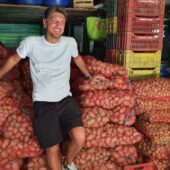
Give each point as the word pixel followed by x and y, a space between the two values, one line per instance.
pixel 74 49
pixel 24 48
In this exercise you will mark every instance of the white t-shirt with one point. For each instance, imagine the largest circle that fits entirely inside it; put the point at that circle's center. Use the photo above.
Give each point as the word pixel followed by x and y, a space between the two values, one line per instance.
pixel 49 66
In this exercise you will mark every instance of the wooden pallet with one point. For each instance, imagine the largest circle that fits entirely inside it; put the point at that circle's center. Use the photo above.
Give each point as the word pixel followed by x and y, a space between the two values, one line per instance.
pixel 83 3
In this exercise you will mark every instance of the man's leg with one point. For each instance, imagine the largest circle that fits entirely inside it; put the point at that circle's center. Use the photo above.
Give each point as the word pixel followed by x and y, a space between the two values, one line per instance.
pixel 54 157
pixel 75 144
pixel 48 131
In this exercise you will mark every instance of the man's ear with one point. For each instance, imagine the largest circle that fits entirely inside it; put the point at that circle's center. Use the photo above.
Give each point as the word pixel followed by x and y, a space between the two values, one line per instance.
pixel 45 23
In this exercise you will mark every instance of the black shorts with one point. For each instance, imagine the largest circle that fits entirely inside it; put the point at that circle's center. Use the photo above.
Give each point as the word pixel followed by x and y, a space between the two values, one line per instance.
pixel 52 118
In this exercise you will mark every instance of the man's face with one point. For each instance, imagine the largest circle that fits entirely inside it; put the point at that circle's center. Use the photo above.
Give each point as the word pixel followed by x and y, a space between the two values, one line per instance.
pixel 55 24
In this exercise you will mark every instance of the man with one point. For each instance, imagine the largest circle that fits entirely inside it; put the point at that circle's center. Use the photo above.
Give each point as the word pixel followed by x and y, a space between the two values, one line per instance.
pixel 54 108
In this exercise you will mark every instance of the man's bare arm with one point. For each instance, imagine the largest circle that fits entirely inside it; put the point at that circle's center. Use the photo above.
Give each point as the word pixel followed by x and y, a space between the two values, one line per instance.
pixel 82 66
pixel 9 64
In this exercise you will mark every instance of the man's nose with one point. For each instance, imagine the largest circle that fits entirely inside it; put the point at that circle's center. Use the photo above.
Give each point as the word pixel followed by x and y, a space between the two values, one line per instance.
pixel 57 23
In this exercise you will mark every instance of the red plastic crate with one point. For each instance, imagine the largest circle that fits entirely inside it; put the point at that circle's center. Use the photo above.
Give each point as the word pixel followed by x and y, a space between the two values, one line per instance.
pixel 139 43
pixel 110 56
pixel 140 25
pixel 146 166
pixel 148 8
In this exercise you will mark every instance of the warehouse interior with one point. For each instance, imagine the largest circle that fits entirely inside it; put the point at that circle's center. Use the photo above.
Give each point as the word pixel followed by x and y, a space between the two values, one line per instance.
pixel 122 97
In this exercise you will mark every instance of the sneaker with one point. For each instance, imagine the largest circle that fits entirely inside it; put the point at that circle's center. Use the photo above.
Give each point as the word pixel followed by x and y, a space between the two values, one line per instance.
pixel 62 168
pixel 71 166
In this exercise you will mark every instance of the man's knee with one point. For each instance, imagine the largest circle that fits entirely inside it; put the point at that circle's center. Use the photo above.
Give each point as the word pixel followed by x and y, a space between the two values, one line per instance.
pixel 80 141
pixel 53 150
pixel 78 136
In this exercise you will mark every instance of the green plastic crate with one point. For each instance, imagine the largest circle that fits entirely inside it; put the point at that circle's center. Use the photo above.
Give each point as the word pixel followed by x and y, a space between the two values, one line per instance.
pixel 12 34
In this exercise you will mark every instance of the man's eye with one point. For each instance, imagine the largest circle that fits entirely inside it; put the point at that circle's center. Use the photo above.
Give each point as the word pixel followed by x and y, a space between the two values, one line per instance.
pixel 56 21
pixel 53 20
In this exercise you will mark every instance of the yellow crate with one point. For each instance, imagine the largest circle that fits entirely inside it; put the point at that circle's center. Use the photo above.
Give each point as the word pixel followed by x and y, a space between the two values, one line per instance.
pixel 138 74
pixel 107 25
pixel 139 60
pixel 111 25
pixel 83 4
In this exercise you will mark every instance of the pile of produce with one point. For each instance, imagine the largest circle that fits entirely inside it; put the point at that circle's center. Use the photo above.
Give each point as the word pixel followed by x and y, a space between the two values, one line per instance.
pixel 17 140
pixel 153 98
pixel 107 102
pixel 153 107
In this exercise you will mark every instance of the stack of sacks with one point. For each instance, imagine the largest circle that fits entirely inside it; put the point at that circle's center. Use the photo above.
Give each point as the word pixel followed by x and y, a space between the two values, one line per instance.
pixel 16 116
pixel 153 107
pixel 17 140
pixel 108 91
pixel 107 103
pixel 21 99
pixel 153 99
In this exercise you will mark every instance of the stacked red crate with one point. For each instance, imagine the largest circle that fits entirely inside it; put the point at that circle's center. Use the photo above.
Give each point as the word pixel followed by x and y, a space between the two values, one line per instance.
pixel 140 25
pixel 139 43
pixel 148 8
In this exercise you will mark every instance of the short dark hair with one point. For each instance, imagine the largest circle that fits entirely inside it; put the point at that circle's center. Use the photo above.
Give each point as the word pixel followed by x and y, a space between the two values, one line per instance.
pixel 50 10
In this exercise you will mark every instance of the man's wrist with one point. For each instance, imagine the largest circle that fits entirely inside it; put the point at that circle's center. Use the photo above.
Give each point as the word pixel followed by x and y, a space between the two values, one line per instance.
pixel 89 76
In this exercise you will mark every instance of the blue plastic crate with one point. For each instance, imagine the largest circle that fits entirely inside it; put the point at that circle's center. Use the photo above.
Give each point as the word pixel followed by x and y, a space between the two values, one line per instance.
pixel 63 3
pixel 165 70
